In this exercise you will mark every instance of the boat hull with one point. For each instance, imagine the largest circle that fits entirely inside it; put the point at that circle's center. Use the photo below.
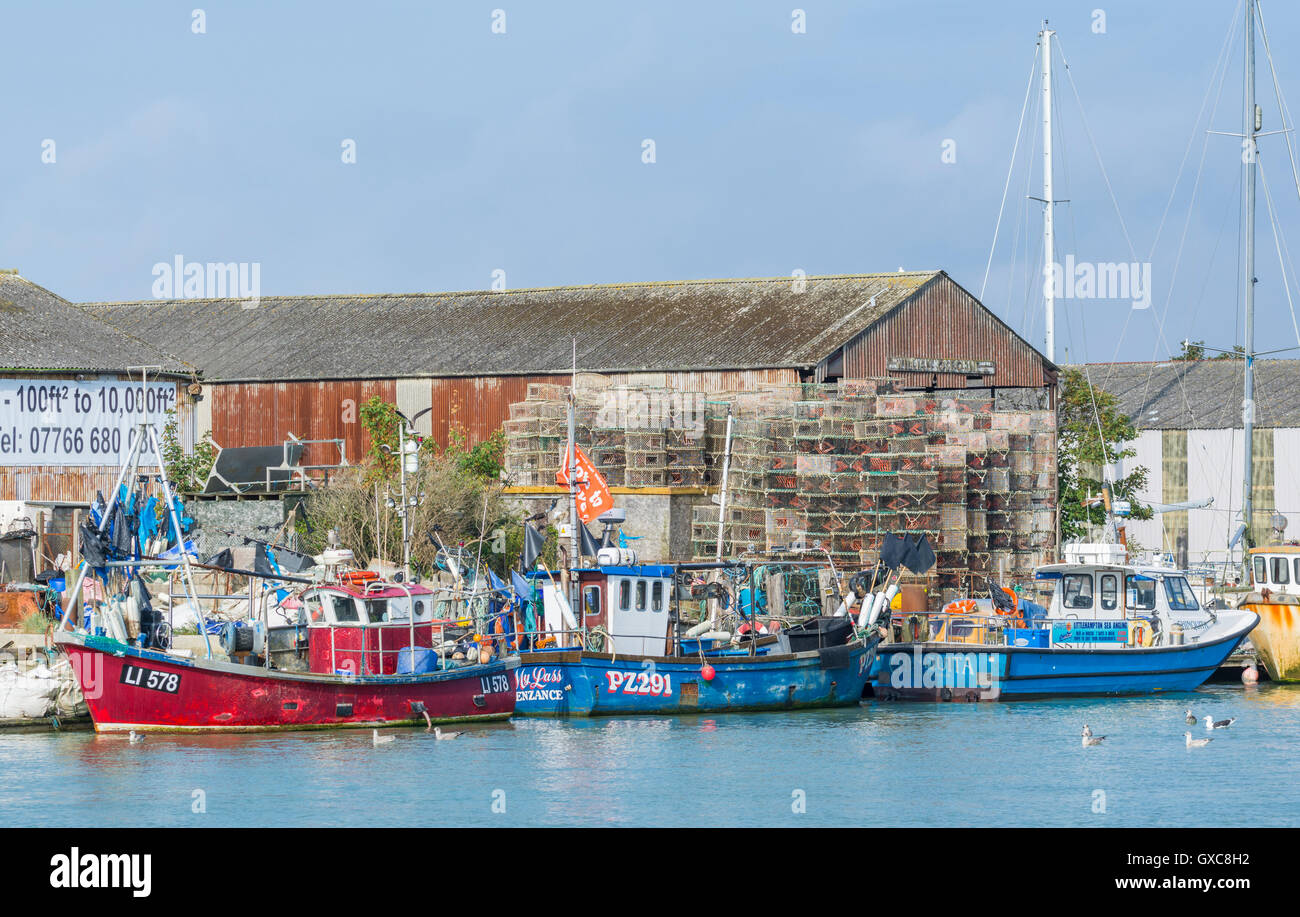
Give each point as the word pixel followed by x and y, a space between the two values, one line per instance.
pixel 965 672
pixel 1277 639
pixel 580 683
pixel 132 689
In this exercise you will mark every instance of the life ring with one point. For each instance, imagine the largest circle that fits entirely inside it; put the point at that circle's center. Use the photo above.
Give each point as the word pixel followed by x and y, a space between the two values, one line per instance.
pixel 961 607
pixel 1139 633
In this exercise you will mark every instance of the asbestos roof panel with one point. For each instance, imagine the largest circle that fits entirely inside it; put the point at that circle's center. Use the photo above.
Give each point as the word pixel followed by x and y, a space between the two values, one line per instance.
pixel 689 325
pixel 1200 394
pixel 40 331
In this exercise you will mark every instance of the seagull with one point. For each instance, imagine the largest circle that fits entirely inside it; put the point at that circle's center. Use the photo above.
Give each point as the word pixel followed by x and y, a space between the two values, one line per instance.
pixel 1211 723
pixel 439 734
pixel 135 738
pixel 1089 738
pixel 1196 743
pixel 380 740
pixel 1191 718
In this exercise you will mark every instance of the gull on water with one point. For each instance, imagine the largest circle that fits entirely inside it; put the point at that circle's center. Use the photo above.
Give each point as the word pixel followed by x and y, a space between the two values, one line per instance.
pixel 135 738
pixel 1089 738
pixel 1212 723
pixel 1191 718
pixel 380 740
pixel 439 734
pixel 1196 743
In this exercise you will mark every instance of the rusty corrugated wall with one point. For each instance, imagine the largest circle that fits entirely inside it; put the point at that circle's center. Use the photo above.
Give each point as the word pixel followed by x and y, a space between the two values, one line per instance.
pixel 264 413
pixel 943 321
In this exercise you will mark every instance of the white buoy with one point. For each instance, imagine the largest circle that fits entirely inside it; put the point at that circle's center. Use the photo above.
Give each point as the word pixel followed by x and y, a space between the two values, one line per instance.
pixel 1250 675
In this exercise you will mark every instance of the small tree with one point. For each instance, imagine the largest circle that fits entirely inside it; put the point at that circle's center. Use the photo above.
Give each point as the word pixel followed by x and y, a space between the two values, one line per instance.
pixel 188 471
pixel 1084 451
pixel 457 484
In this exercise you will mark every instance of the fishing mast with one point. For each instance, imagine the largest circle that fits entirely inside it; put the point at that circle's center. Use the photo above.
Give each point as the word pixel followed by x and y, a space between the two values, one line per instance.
pixel 1049 243
pixel 1250 127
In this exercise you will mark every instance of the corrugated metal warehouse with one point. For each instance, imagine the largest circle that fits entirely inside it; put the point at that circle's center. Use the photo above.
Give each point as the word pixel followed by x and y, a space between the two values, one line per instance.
pixel 1189 419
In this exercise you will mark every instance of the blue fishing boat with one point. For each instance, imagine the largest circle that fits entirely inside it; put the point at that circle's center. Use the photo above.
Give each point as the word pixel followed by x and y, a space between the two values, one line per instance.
pixel 1110 628
pixel 627 654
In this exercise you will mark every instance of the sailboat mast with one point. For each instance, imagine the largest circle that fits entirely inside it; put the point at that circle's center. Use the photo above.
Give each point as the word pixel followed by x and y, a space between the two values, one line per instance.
pixel 1250 128
pixel 1049 243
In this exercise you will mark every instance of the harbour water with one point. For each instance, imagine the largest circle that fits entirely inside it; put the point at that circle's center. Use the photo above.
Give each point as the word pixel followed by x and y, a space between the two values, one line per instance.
pixel 882 764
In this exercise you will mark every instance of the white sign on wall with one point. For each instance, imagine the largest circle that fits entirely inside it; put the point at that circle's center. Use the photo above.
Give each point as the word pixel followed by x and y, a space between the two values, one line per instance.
pixel 61 422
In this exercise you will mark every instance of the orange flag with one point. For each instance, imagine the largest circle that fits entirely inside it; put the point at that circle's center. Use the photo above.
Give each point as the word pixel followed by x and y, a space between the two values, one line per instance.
pixel 592 492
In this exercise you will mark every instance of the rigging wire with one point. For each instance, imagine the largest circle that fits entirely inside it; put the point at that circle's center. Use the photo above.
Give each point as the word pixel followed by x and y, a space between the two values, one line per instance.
pixel 1010 168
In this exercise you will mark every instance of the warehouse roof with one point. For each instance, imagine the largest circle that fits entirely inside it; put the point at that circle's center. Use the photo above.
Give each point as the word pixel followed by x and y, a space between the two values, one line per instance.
pixel 42 331
pixel 689 325
pixel 1200 394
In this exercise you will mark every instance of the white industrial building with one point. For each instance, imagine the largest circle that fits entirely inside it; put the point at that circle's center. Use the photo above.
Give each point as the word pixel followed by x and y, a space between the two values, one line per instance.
pixel 1189 417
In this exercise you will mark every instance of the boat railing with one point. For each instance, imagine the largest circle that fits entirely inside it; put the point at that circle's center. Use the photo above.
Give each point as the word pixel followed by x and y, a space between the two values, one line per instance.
pixel 950 627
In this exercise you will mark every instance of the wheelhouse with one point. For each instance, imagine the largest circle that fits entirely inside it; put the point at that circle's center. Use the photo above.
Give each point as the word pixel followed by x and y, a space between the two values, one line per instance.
pixel 362 629
pixel 626 607
pixel 1276 568
pixel 1102 593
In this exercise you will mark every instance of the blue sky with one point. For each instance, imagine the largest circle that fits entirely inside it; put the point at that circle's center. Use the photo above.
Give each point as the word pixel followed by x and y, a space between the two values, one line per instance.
pixel 522 151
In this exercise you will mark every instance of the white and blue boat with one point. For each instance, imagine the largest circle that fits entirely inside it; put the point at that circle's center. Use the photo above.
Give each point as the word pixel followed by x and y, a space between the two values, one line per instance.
pixel 625 654
pixel 1110 628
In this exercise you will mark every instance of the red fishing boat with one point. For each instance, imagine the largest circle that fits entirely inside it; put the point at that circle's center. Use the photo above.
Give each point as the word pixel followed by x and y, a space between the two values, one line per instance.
pixel 362 653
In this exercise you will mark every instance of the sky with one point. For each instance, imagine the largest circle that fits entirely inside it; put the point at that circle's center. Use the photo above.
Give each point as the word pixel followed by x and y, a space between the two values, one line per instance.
pixel 506 142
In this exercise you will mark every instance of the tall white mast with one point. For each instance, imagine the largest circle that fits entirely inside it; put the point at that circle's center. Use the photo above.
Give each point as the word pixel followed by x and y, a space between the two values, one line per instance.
pixel 1250 128
pixel 1049 244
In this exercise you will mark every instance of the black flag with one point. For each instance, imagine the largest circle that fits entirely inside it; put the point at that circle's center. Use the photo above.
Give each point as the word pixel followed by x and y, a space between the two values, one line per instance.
pixel 589 544
pixel 533 541
pixel 921 556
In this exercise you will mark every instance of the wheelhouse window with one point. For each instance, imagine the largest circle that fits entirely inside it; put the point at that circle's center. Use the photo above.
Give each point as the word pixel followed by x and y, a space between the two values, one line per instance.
pixel 1179 593
pixel 591 600
pixel 1109 592
pixel 640 595
pixel 377 611
pixel 1261 571
pixel 1077 590
pixel 657 596
pixel 1141 592
pixel 345 609
pixel 1281 575
pixel 624 595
